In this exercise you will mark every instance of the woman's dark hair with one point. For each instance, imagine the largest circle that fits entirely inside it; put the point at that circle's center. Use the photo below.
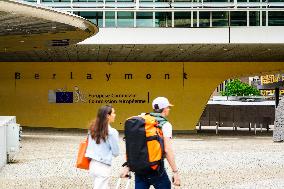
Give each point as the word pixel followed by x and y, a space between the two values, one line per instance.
pixel 99 126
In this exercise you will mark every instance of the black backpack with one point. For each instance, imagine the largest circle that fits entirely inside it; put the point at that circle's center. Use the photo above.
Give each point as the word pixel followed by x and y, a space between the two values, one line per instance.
pixel 144 143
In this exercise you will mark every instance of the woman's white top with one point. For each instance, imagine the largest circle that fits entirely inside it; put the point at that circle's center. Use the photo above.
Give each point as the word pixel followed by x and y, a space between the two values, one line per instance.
pixel 104 151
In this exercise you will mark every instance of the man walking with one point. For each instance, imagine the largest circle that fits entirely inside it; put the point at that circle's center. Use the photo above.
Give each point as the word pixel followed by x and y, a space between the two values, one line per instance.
pixel 159 179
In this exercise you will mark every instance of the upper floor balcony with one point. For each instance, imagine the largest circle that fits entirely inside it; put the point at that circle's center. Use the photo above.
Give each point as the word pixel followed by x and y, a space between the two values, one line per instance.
pixel 163 5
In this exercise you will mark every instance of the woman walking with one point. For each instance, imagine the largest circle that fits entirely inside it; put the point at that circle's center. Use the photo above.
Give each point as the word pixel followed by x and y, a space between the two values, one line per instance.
pixel 102 146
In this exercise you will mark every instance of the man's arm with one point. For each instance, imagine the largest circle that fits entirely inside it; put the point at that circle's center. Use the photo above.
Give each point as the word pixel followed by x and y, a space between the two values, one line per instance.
pixel 169 153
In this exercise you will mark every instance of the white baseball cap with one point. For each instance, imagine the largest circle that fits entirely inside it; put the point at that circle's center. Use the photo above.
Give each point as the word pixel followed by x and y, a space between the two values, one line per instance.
pixel 160 103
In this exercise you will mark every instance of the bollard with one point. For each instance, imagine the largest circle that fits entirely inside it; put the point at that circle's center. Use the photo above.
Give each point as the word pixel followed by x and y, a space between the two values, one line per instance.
pixel 199 124
pixel 217 125
pixel 255 128
pixel 249 126
pixel 261 127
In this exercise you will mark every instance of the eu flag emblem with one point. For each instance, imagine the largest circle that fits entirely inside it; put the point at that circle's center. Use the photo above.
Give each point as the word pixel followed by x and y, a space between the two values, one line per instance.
pixel 64 97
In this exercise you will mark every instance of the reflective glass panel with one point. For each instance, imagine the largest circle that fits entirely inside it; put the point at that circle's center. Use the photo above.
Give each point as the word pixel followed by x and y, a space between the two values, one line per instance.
pixel 194 19
pixel 163 19
pixel 276 18
pixel 254 18
pixel 125 19
pixel 87 0
pixel 204 19
pixel 95 17
pixel 125 0
pixel 238 18
pixel 144 19
pixel 263 18
pixel 183 0
pixel 110 19
pixel 182 19
pixel 276 0
pixel 219 19
pixel 215 0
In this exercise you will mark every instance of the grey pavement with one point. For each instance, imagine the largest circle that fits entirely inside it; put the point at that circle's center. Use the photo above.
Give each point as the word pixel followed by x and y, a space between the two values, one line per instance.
pixel 47 160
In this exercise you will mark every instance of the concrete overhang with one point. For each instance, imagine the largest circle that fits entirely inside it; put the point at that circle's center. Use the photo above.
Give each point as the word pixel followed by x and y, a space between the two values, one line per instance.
pixel 152 53
pixel 26 27
pixel 234 44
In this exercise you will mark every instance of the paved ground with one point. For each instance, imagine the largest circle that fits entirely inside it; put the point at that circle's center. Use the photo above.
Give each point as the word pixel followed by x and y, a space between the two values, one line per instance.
pixel 47 160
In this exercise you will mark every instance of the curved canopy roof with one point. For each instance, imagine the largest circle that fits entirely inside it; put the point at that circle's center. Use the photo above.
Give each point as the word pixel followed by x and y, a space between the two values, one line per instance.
pixel 24 27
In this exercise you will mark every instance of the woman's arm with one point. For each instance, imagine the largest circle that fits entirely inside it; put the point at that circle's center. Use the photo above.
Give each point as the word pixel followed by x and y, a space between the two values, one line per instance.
pixel 114 142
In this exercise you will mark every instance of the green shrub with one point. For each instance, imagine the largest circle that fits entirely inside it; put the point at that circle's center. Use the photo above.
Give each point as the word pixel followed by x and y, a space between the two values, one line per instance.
pixel 238 88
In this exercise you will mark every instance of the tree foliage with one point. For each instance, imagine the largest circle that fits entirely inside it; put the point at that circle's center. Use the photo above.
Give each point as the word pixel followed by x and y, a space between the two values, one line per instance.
pixel 238 88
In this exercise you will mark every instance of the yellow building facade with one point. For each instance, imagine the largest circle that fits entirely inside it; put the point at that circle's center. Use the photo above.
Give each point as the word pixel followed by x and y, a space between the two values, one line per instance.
pixel 67 95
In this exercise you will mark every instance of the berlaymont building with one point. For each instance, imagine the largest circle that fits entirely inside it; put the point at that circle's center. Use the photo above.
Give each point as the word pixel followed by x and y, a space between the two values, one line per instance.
pixel 62 59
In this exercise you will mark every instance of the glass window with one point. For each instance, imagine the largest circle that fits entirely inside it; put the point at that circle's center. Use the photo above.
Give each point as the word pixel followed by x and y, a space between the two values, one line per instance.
pixel 95 17
pixel 264 18
pixel 144 19
pixel 125 19
pixel 110 19
pixel 32 1
pixel 125 0
pixel 183 0
pixel 204 19
pixel 238 18
pixel 219 19
pixel 215 0
pixel 254 19
pixel 276 18
pixel 194 19
pixel 163 19
pixel 182 19
pixel 83 0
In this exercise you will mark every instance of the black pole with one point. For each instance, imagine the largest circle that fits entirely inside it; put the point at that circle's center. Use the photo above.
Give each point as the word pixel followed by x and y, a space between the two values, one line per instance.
pixel 277 96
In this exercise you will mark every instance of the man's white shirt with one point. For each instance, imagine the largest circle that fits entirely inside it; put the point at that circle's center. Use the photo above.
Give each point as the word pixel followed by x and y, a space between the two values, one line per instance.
pixel 167 129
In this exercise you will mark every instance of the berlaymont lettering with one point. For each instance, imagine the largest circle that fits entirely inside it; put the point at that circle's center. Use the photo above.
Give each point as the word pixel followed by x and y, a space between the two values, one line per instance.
pixel 19 75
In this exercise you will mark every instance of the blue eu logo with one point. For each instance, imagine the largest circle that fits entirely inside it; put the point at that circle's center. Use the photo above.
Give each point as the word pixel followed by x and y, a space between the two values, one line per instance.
pixel 64 97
